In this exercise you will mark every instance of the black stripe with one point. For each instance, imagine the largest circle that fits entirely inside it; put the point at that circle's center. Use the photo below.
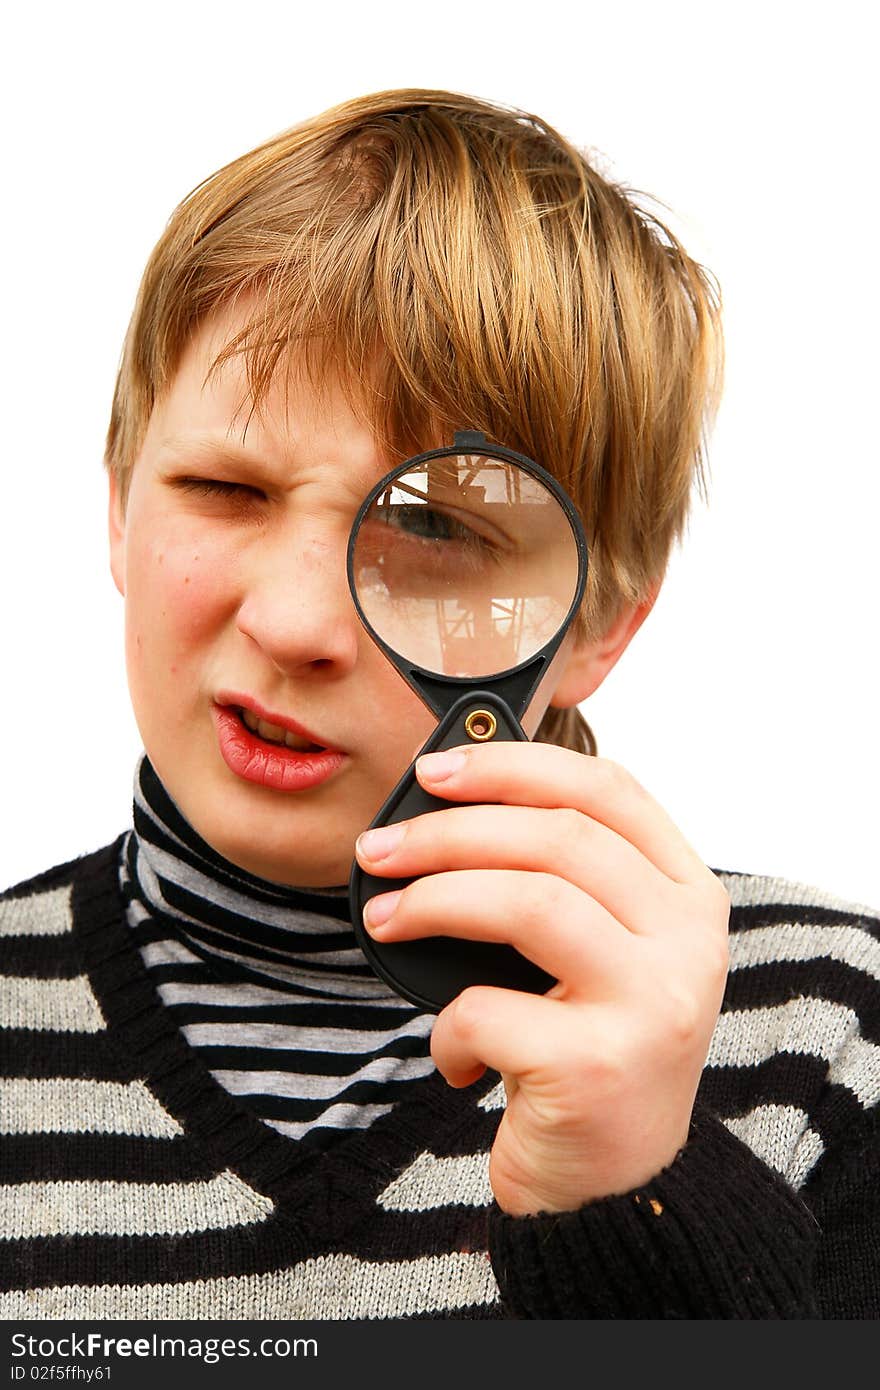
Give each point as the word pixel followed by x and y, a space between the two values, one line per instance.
pixel 229 1057
pixel 197 934
pixel 833 1111
pixel 30 1053
pixel 263 1248
pixel 433 1233
pixel 323 1015
pixel 226 929
pixel 300 1109
pixel 101 1157
pixel 767 986
pixel 210 968
pixel 479 1134
pixel 774 914
pixel 786 1078
pixel 89 1260
pixel 41 957
pixel 838 1116
pixel 292 996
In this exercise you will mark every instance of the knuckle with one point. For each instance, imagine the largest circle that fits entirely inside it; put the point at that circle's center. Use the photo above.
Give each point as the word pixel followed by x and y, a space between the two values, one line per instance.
pixel 706 914
pixel 468 1011
pixel 606 1071
pixel 615 780
pixel 724 902
pixel 685 1017
pixel 565 826
pixel 718 959
pixel 716 895
pixel 539 898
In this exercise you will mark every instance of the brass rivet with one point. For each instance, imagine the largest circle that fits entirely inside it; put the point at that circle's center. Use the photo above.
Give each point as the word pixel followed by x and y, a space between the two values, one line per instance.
pixel 481 725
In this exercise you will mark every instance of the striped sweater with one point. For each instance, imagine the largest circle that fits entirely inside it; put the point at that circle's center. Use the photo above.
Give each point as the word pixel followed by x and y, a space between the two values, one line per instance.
pixel 266 982
pixel 134 1186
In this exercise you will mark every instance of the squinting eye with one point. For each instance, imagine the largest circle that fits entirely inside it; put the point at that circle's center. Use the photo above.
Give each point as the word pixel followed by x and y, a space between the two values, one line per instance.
pixel 216 487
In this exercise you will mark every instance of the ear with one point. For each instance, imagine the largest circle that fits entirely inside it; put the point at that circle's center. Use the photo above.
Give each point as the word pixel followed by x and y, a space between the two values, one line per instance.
pixel 588 663
pixel 116 524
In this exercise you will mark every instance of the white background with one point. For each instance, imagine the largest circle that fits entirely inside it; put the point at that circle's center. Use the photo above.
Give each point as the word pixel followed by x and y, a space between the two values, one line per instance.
pixel 748 702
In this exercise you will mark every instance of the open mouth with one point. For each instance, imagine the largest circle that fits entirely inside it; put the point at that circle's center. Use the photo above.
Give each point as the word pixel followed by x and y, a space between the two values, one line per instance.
pixel 274 734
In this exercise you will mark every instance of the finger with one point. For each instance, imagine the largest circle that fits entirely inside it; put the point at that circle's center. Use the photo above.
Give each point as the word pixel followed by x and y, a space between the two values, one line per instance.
pixel 544 775
pixel 559 842
pixel 513 1033
pixel 546 919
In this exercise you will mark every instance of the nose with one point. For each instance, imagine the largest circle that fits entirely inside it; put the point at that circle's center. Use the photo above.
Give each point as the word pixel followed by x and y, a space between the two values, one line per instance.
pixel 297 607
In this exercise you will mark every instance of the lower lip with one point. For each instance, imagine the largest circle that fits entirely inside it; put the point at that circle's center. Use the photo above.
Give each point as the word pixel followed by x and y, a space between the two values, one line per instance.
pixel 268 764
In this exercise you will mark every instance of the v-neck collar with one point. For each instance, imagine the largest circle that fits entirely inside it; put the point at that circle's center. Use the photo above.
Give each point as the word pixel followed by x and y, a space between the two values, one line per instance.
pixel 330 1187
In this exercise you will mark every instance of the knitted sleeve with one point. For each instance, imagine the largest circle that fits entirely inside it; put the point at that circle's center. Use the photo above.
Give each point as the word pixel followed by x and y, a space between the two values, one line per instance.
pixel 771 1210
pixel 716 1235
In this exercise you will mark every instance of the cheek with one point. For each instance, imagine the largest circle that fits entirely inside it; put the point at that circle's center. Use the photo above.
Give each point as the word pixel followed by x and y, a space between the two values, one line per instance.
pixel 400 721
pixel 178 595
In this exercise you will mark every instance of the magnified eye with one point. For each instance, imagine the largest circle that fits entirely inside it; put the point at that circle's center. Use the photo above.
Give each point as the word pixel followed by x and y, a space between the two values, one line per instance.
pixel 464 564
pixel 431 525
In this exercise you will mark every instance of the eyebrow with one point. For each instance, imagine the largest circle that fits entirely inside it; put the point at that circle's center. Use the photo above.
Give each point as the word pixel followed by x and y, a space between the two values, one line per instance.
pixel 217 449
pixel 211 447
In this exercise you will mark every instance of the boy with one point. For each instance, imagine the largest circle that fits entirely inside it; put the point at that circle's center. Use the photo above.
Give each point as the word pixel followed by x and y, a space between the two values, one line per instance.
pixel 214 1109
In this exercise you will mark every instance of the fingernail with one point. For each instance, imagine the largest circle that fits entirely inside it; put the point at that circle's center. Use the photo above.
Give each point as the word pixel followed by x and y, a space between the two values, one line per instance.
pixel 378 844
pixel 436 767
pixel 379 909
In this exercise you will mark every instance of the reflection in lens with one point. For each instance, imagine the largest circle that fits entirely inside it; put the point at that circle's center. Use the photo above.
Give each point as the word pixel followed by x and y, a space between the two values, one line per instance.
pixel 465 565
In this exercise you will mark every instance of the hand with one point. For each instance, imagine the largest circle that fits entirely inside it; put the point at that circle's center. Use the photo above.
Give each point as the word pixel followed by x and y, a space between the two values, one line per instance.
pixel 567 858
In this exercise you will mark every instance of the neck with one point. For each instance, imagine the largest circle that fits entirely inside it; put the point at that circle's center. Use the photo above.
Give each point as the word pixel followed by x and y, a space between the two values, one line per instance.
pixel 220 911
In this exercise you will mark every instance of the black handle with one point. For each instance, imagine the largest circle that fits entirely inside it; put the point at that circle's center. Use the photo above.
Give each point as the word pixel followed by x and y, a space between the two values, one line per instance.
pixel 430 972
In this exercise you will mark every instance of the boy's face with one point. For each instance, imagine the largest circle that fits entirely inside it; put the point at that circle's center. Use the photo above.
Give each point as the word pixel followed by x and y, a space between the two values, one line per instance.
pixel 237 600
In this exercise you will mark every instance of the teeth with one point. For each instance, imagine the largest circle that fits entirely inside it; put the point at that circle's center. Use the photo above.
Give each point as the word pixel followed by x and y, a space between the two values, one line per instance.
pixel 273 733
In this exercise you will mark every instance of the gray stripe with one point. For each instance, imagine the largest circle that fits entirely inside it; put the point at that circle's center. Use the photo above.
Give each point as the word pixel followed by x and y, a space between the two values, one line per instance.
pixel 60 1105
pixel 334 1117
pixel 33 1209
pixel 64 1006
pixel 804 941
pixel 316 969
pixel 238 995
pixel 756 891
pixel 431 1182
pixel 169 952
pixel 337 1287
pixel 41 914
pixel 804 1026
pixel 308 1087
pixel 310 1039
pixel 354 988
pixel 781 1136
pixel 496 1099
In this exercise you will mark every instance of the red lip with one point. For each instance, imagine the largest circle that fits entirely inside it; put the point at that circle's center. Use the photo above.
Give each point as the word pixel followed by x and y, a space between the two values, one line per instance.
pixel 268 764
pixel 237 702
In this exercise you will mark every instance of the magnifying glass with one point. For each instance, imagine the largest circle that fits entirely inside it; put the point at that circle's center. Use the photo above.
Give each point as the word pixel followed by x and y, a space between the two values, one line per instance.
pixel 467 566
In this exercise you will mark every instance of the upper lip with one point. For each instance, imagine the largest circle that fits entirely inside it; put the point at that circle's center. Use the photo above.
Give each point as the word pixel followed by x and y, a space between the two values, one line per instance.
pixel 248 702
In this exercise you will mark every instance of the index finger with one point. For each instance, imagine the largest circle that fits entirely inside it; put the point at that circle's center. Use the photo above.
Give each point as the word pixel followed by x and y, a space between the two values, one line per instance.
pixel 545 775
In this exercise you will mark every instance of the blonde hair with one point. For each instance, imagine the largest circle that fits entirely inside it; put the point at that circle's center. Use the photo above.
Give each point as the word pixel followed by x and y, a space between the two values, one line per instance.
pixel 460 265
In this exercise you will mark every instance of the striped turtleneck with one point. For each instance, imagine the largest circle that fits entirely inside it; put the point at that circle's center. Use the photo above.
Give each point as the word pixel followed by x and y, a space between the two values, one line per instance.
pixel 267 983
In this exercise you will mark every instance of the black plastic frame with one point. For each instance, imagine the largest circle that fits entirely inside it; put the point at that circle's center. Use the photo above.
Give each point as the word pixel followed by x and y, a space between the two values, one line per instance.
pixel 431 971
pixel 518 683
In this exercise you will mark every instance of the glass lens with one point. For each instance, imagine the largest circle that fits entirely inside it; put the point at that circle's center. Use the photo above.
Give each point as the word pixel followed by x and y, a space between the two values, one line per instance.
pixel 465 565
